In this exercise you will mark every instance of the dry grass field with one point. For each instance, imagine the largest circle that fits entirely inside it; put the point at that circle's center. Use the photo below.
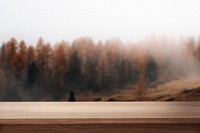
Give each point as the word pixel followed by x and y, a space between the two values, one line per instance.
pixel 180 89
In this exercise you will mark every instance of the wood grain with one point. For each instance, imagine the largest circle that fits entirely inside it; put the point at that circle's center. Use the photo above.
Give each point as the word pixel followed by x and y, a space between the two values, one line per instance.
pixel 98 112
pixel 102 128
pixel 127 117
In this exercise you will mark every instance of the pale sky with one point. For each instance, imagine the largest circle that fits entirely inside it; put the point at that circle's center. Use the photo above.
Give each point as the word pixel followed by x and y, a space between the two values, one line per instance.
pixel 129 20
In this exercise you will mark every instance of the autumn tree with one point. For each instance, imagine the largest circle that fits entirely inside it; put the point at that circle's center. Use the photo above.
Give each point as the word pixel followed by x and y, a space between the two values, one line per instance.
pixel 88 61
pixel 31 65
pixel 190 48
pixel 62 55
pixel 73 77
pixel 44 61
pixel 151 70
pixel 11 47
pixel 44 65
pixel 102 72
pixel 197 52
pixel 60 63
pixel 124 72
pixel 3 58
pixel 20 61
pixel 112 59
pixel 3 90
pixel 48 74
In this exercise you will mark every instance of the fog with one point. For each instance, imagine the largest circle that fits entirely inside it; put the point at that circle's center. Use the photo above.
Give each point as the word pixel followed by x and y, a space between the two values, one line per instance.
pixel 175 57
pixel 129 20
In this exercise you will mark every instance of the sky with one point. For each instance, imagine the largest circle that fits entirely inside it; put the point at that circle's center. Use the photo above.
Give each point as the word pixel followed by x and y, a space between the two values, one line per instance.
pixel 129 20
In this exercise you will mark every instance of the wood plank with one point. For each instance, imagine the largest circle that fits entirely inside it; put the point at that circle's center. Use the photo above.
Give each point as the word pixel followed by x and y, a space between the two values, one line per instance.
pixel 102 128
pixel 99 112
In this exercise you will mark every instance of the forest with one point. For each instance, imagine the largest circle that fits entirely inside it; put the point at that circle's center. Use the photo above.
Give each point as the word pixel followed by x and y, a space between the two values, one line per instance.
pixel 44 71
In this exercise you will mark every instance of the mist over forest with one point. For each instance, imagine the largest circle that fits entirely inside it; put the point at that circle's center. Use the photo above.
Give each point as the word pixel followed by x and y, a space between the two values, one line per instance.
pixel 44 71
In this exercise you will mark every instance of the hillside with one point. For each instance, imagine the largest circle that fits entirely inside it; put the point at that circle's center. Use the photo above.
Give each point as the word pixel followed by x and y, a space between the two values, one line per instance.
pixel 182 89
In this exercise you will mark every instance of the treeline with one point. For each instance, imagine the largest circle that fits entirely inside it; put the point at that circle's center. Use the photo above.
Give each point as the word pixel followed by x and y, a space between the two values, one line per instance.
pixel 33 72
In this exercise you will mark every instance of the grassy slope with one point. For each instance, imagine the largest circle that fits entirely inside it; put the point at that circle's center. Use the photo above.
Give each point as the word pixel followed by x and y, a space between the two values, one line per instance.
pixel 182 89
pixel 186 88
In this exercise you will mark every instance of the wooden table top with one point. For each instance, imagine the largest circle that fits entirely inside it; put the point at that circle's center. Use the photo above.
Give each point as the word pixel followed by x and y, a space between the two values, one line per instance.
pixel 99 112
